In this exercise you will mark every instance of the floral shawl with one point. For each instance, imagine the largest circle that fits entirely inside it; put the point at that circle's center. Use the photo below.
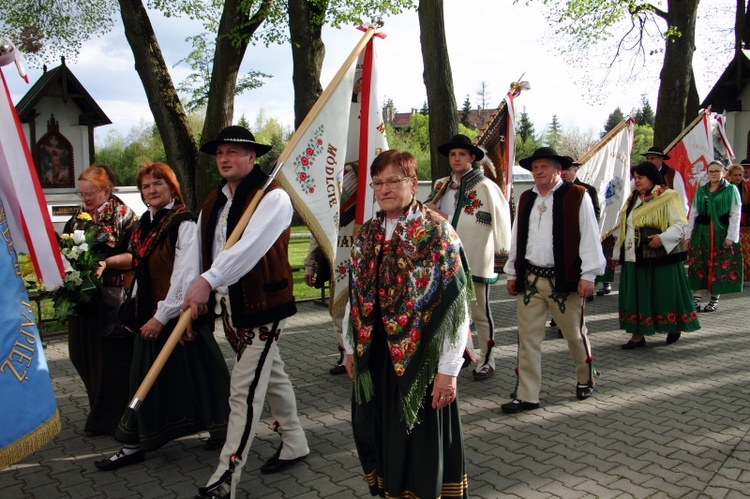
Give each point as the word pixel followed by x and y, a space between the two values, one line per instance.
pixel 419 283
pixel 115 222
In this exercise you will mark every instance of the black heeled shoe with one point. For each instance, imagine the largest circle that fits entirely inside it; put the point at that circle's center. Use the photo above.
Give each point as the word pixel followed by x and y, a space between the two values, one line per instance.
pixel 673 337
pixel 634 344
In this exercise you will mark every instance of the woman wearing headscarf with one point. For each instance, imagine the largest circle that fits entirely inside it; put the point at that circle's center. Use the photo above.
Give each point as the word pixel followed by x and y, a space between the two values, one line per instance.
pixel 713 232
pixel 654 292
pixel 103 362
pixel 191 392
pixel 409 321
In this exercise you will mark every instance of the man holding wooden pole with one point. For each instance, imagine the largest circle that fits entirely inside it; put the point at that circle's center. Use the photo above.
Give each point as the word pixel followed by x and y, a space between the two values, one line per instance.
pixel 250 286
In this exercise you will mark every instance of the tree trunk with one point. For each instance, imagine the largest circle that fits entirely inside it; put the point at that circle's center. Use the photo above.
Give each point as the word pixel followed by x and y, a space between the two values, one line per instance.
pixel 308 51
pixel 228 57
pixel 169 115
pixel 676 74
pixel 438 80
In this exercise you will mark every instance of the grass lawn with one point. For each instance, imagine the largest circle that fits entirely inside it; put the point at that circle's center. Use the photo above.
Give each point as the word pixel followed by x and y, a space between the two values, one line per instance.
pixel 297 252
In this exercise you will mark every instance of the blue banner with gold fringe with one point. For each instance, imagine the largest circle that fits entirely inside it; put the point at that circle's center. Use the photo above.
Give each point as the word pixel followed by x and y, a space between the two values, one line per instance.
pixel 29 417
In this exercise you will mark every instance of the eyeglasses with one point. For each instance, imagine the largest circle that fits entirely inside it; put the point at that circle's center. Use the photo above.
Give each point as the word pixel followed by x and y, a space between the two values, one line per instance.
pixel 86 195
pixel 392 183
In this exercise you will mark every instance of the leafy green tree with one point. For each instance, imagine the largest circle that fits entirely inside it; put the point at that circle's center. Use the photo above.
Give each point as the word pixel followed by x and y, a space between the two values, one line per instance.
pixel 425 109
pixel 643 139
pixel 197 83
pixel 466 113
pixel 614 118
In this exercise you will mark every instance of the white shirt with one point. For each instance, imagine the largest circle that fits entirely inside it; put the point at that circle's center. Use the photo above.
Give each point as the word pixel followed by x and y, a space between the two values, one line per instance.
pixel 539 245
pixel 451 359
pixel 272 217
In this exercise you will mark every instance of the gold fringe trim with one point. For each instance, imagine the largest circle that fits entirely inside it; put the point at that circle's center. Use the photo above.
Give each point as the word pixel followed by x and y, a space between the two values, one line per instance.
pixel 30 443
pixel 655 213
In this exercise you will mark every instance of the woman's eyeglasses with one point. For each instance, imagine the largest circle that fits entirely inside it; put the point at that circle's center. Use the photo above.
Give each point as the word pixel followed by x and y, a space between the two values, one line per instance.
pixel 86 195
pixel 392 183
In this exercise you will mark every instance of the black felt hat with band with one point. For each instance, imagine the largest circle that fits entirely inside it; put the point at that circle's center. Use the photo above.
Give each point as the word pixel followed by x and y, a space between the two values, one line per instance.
pixel 546 153
pixel 235 135
pixel 745 162
pixel 461 142
pixel 657 151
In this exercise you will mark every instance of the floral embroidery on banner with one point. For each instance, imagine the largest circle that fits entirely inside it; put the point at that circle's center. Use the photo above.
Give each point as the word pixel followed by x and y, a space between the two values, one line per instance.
pixel 305 159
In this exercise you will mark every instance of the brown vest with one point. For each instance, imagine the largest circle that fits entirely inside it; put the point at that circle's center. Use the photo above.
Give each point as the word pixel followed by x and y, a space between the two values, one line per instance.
pixel 264 294
pixel 566 236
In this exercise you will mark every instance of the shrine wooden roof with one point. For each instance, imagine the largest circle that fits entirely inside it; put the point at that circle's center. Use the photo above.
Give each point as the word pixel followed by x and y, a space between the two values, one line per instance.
pixel 60 83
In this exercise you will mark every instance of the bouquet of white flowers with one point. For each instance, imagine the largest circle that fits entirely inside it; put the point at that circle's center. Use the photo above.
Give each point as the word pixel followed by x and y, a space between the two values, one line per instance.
pixel 80 263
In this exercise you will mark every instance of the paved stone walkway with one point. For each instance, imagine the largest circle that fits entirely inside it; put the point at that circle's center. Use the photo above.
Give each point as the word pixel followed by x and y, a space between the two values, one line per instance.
pixel 665 421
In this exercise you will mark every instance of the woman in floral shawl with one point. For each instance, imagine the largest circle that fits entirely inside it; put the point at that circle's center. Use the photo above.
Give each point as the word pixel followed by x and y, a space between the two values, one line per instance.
pixel 191 393
pixel 409 322
pixel 103 362
pixel 654 292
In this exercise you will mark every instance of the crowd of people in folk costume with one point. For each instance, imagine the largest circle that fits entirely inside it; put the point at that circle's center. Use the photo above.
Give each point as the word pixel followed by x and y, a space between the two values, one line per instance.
pixel 420 279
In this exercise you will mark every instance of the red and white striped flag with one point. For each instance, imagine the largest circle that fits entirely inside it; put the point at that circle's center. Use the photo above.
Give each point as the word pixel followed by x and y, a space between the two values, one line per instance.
pixel 25 206
pixel 327 174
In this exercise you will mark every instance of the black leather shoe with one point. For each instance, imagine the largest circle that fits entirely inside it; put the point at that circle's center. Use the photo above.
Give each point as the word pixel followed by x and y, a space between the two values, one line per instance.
pixel 217 493
pixel 604 291
pixel 516 406
pixel 337 369
pixel 673 337
pixel 584 391
pixel 213 444
pixel 634 344
pixel 121 459
pixel 276 465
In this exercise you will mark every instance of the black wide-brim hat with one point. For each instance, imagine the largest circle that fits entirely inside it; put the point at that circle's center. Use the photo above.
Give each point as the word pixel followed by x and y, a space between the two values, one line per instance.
pixel 745 162
pixel 546 153
pixel 657 151
pixel 235 135
pixel 461 142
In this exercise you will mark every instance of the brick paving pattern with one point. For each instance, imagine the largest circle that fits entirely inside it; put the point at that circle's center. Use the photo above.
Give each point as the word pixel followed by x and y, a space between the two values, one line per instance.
pixel 665 421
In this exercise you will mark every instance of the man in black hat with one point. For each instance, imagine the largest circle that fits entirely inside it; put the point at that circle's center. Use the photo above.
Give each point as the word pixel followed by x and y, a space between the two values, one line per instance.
pixel 250 286
pixel 674 181
pixel 479 212
pixel 745 164
pixel 554 259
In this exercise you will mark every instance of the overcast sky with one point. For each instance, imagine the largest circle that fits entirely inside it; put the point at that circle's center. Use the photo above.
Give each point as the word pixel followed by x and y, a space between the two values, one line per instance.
pixel 488 40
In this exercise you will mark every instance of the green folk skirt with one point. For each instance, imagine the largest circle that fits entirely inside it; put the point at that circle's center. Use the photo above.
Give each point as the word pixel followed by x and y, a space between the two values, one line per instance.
pixel 426 462
pixel 190 395
pixel 720 271
pixel 656 299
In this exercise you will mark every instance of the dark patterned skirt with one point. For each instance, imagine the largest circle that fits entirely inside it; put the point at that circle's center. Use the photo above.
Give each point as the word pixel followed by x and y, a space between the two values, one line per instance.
pixel 426 462
pixel 656 300
pixel 103 363
pixel 720 271
pixel 191 393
